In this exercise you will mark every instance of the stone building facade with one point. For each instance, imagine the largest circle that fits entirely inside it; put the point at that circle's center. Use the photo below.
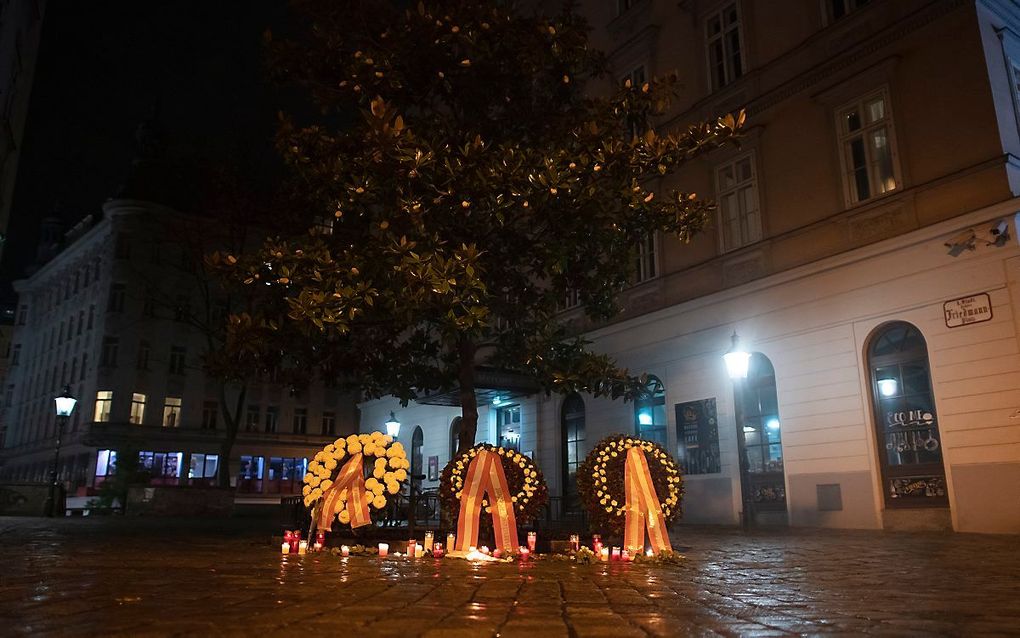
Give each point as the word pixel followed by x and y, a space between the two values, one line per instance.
pixel 865 252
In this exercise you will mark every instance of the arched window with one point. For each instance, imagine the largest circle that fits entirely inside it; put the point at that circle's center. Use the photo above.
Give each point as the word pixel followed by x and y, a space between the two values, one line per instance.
pixel 761 435
pixel 907 430
pixel 454 436
pixel 574 448
pixel 417 439
pixel 650 413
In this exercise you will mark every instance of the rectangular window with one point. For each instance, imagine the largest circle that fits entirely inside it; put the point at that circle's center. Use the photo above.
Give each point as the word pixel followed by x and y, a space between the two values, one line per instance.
pixel 272 415
pixel 149 305
pixel 172 412
pixel 143 355
pixel 182 308
pixel 328 423
pixel 92 312
pixel 572 299
pixel 81 322
pixel 723 46
pixel 737 194
pixel 203 466
pixel 508 424
pixel 84 364
pixel 865 140
pixel 22 315
pixel 137 408
pixel 104 403
pixel 645 260
pixel 122 246
pixel 636 78
pixel 841 8
pixel 300 420
pixel 251 419
pixel 117 294
pixel 177 357
pixel 109 355
pixel 16 354
pixel 210 411
pixel 106 464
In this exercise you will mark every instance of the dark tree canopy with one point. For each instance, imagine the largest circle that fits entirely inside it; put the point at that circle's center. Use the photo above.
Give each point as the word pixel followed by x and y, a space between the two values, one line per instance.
pixel 463 176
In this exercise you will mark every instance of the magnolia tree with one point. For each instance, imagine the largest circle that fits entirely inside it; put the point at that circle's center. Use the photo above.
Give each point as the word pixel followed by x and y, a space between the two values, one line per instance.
pixel 462 178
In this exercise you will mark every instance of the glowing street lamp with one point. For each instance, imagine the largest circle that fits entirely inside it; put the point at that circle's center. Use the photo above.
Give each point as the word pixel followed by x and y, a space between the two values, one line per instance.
pixel 737 359
pixel 64 404
pixel 393 426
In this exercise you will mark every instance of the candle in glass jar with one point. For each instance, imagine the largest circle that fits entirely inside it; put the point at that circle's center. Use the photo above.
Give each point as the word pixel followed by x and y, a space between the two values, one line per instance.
pixel 525 553
pixel 320 538
pixel 451 542
pixel 483 549
pixel 302 547
pixel 575 542
pixel 410 548
pixel 384 550
pixel 625 555
pixel 295 542
pixel 596 543
pixel 429 541
pixel 345 550
pixel 497 553
pixel 285 548
pixel 614 554
pixel 317 546
pixel 419 550
pixel 532 540
pixel 604 554
pixel 437 550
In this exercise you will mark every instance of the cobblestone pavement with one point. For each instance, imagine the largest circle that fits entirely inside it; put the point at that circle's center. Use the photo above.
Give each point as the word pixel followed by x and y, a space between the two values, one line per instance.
pixel 146 577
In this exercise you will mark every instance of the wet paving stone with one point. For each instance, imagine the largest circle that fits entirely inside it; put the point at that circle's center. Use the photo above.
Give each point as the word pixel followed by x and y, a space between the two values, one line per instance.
pixel 139 577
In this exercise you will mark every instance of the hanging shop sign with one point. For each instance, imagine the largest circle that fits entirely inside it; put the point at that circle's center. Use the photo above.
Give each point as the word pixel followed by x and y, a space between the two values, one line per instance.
pixel 968 310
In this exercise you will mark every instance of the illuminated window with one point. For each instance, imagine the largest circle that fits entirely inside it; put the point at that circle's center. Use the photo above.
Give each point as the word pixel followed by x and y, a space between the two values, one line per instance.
pixel 866 148
pixel 172 412
pixel 508 424
pixel 137 408
pixel 572 437
pixel 104 402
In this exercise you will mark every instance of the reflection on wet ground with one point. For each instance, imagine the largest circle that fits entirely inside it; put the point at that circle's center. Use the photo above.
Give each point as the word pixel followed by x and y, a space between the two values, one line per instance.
pixel 149 577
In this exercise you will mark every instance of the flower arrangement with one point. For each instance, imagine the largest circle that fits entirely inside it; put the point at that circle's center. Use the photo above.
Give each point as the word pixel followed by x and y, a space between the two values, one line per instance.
pixel 388 470
pixel 600 481
pixel 525 480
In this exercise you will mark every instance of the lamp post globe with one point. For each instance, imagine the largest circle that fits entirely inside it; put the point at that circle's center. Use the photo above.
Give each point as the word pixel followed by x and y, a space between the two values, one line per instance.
pixel 64 405
pixel 393 426
pixel 737 359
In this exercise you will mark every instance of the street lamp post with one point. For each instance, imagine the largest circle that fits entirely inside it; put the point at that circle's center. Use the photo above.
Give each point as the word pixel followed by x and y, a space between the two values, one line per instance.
pixel 393 426
pixel 737 363
pixel 64 404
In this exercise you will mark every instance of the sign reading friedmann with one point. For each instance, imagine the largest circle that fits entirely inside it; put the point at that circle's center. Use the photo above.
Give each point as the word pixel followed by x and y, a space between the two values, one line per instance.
pixel 967 310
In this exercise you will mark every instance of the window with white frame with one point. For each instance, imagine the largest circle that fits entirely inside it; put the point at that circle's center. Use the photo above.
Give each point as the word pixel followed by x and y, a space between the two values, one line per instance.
pixel 866 147
pixel 737 193
pixel 636 78
pixel 172 412
pixel 572 299
pixel 210 410
pixel 723 45
pixel 178 356
pixel 104 402
pixel 137 408
pixel 645 260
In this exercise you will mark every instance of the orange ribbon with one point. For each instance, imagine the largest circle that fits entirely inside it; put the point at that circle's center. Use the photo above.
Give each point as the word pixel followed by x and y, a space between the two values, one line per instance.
pixel 350 482
pixel 485 475
pixel 642 507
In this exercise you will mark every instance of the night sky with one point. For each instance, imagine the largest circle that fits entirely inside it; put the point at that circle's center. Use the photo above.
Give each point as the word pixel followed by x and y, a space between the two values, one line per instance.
pixel 102 68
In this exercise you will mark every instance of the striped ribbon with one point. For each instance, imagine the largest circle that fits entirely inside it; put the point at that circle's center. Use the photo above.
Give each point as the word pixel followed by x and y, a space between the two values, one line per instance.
pixel 350 482
pixel 485 475
pixel 642 507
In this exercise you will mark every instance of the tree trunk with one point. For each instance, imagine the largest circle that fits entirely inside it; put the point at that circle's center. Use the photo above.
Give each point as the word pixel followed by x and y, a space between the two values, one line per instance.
pixel 231 422
pixel 468 401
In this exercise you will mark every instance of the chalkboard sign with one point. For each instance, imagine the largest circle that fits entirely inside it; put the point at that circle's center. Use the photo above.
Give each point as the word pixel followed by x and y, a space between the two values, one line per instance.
pixel 697 435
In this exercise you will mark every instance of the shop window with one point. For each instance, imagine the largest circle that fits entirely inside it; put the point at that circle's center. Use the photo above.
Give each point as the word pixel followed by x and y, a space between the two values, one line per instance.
pixel 906 422
pixel 724 48
pixel 172 412
pixel 737 194
pixel 137 408
pixel 572 437
pixel 210 412
pixel 300 420
pixel 250 474
pixel 508 424
pixel 104 403
pixel 106 465
pixel 454 436
pixel 203 466
pixel 650 413
pixel 867 148
pixel 162 467
pixel 329 423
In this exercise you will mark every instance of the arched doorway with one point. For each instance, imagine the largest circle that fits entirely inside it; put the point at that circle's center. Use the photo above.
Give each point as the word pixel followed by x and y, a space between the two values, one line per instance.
pixel 906 424
pixel 417 440
pixel 572 438
pixel 454 436
pixel 759 436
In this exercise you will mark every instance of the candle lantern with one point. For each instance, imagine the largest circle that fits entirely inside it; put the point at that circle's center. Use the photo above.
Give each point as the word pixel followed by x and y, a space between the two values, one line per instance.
pixel 384 550
pixel 525 553
pixel 320 537
pixel 437 550
pixel 596 543
pixel 497 553
pixel 317 546
pixel 604 554
pixel 411 544
pixel 451 542
pixel 345 550
pixel 575 542
pixel 302 547
pixel 625 556
pixel 614 554
pixel 295 541
pixel 532 540
pixel 483 549
pixel 285 548
pixel 429 541
pixel 419 550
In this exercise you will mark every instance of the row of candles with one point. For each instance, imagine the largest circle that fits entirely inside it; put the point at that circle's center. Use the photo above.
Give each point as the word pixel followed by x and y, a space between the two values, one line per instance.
pixel 293 544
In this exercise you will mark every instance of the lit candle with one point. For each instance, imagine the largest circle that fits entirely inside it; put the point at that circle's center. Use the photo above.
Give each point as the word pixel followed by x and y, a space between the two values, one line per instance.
pixel 451 542
pixel 625 555
pixel 532 539
pixel 596 543
pixel 345 550
pixel 575 542
pixel 614 554
pixel 384 550
pixel 320 538
pixel 295 541
pixel 437 550
pixel 497 553
pixel 649 553
pixel 419 551
pixel 429 540
pixel 525 553
pixel 302 547
pixel 317 546
pixel 410 548
pixel 604 554
pixel 285 548
pixel 483 549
